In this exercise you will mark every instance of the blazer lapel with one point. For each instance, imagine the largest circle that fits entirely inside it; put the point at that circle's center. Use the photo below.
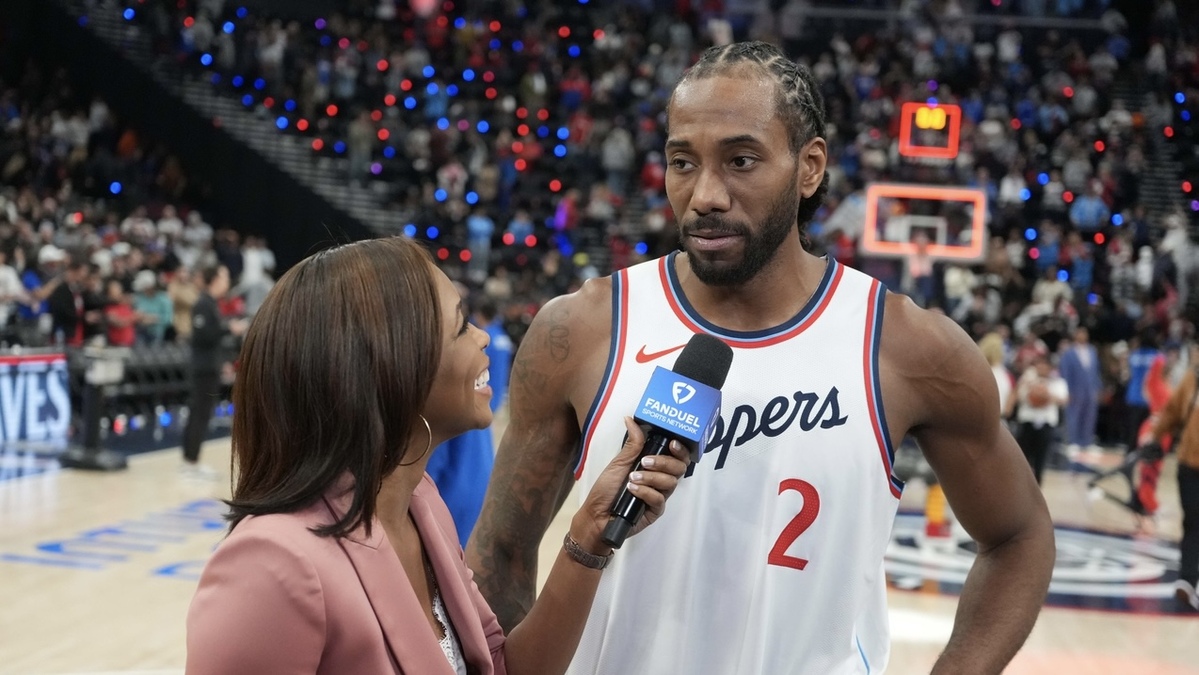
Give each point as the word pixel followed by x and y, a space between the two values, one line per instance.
pixel 443 551
pixel 401 617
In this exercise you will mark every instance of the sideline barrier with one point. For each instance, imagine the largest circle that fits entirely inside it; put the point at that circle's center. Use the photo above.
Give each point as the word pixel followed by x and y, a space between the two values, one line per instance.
pixel 56 402
pixel 35 404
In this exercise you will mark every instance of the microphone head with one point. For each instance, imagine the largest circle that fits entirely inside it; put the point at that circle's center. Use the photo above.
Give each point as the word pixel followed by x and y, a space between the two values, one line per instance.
pixel 705 359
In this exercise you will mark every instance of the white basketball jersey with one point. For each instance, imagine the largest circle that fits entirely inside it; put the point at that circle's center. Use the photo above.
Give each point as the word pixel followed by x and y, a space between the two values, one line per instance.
pixel 769 558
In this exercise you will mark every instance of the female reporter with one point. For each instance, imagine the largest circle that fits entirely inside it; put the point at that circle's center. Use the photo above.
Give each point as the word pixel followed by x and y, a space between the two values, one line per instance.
pixel 342 558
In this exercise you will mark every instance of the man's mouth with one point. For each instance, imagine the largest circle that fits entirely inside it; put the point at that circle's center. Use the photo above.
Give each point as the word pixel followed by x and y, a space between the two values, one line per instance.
pixel 712 234
pixel 710 241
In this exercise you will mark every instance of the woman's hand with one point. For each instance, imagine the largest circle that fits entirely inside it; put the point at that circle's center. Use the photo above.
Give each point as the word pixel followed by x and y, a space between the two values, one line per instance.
pixel 652 483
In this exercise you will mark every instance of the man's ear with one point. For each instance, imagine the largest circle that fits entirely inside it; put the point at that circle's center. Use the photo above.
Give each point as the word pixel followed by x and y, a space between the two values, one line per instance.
pixel 813 159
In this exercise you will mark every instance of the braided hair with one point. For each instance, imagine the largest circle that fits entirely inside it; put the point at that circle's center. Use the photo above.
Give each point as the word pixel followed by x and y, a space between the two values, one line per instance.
pixel 798 102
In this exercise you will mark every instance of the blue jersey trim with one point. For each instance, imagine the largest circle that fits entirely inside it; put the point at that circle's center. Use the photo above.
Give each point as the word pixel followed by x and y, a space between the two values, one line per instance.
pixel 618 282
pixel 880 303
pixel 676 291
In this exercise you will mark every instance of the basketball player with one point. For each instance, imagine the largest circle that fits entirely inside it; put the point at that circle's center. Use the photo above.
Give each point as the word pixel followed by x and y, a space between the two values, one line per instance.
pixel 771 558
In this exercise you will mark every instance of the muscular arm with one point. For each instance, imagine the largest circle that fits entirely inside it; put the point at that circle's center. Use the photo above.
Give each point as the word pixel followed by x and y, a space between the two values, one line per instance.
pixel 532 474
pixel 946 397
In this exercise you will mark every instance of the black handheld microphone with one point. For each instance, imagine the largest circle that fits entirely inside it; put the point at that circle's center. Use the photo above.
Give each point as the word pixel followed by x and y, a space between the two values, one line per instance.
pixel 679 405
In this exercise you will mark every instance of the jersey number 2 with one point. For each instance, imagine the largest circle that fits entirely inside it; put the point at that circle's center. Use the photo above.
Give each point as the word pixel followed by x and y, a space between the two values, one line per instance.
pixel 800 523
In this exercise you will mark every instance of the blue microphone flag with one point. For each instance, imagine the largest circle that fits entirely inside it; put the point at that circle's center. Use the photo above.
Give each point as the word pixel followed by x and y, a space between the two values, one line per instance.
pixel 680 406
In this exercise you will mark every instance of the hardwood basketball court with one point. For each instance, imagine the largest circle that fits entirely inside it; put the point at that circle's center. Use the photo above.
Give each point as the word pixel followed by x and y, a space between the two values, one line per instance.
pixel 97 570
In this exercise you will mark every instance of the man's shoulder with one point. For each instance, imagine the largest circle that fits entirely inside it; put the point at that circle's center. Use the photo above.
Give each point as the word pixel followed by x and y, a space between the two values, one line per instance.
pixel 595 295
pixel 912 333
pixel 568 331
pixel 937 374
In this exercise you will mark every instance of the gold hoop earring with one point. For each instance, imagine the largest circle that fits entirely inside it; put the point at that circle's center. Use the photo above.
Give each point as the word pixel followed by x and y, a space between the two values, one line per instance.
pixel 428 446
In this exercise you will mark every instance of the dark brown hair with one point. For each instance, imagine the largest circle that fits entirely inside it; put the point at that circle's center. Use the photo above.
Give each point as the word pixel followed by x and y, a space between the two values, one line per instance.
pixel 333 374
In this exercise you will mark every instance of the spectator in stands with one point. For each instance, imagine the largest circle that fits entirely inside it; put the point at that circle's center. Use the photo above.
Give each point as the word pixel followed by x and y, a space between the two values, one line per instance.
pixel 137 227
pixel 153 307
pixel 258 261
pixel 258 267
pixel 520 226
pixel 170 227
pixel 618 157
pixel 197 236
pixel 39 281
pixel 227 248
pixel 479 227
pixel 74 308
pixel 361 138
pixel 12 295
pixel 120 318
pixel 1089 212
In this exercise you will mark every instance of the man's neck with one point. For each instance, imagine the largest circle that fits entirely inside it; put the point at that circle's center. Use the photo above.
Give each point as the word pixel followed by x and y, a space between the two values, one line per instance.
pixel 775 295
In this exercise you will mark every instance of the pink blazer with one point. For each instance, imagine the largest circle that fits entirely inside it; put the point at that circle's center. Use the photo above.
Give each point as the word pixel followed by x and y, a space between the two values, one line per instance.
pixel 276 598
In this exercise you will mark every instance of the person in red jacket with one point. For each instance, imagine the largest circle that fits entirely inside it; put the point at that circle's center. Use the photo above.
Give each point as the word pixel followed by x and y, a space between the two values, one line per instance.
pixel 1157 394
pixel 120 316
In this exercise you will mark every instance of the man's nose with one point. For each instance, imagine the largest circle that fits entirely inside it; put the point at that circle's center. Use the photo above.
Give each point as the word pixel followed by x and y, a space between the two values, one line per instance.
pixel 710 194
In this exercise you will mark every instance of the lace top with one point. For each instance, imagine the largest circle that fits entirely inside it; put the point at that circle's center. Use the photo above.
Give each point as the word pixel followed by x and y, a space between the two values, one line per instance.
pixel 450 646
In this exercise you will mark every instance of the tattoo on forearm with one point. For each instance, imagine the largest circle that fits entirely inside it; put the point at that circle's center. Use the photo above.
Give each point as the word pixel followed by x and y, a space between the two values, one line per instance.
pixel 507 537
pixel 506 577
pixel 531 475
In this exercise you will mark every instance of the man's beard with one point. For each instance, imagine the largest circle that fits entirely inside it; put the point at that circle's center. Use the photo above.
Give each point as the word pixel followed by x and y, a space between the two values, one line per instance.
pixel 758 249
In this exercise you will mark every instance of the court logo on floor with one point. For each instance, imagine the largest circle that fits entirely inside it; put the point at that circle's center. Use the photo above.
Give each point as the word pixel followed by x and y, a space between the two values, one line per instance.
pixel 23 463
pixel 1096 570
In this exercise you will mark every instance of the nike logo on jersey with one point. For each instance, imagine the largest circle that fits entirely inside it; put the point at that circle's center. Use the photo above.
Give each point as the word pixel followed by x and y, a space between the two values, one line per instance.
pixel 643 357
pixel 746 423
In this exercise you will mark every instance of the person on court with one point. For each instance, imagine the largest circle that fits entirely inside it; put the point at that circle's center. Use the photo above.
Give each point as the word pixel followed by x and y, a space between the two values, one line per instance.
pixel 208 334
pixel 771 557
pixel 461 467
pixel 341 556
pixel 1177 421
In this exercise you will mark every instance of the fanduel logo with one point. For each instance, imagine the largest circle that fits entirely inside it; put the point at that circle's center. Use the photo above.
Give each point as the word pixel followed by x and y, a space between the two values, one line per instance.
pixel 747 423
pixel 683 392
pixel 672 412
